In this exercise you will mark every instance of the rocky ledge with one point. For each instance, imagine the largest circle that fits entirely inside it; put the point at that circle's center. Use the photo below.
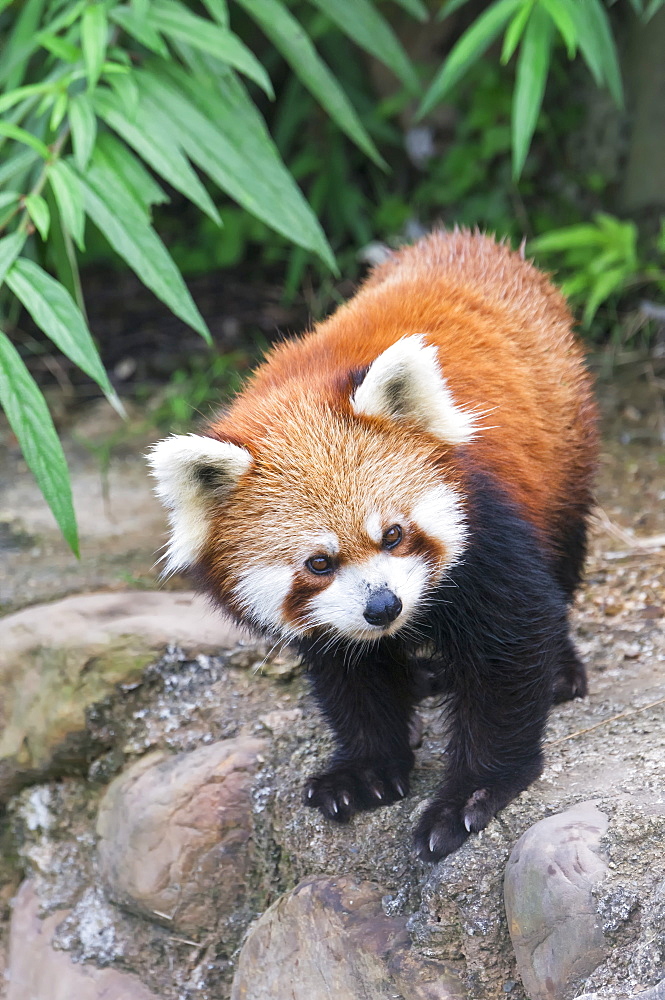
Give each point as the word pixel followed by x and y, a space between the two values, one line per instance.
pixel 154 843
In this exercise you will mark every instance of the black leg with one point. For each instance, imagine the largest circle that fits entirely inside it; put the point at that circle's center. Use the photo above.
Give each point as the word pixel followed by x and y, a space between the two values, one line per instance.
pixel 369 705
pixel 494 753
pixel 570 677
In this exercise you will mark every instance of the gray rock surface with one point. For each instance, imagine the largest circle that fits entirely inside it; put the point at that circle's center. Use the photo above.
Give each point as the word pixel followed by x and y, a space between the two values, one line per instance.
pixel 548 892
pixel 328 939
pixel 607 748
pixel 654 993
pixel 175 835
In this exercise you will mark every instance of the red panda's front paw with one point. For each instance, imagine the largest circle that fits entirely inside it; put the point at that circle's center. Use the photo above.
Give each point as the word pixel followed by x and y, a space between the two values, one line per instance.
pixel 439 833
pixel 347 790
pixel 442 830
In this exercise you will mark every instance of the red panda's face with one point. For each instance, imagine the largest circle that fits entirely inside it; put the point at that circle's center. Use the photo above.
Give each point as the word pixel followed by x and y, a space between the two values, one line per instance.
pixel 333 520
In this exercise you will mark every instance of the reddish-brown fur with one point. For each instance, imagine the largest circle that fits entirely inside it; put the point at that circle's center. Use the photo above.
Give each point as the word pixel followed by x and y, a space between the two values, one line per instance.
pixel 503 334
pixel 492 525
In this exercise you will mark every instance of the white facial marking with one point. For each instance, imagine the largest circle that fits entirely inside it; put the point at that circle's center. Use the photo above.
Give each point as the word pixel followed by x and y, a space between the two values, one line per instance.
pixel 176 462
pixel 342 604
pixel 405 382
pixel 323 541
pixel 440 514
pixel 374 527
pixel 262 591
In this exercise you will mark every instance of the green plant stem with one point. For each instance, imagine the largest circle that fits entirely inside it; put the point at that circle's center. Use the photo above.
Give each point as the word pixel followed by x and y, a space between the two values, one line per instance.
pixel 38 186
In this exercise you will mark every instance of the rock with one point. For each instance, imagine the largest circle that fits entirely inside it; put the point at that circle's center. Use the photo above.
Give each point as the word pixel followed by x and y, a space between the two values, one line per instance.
pixel 329 937
pixel 630 902
pixel 36 971
pixel 175 835
pixel 655 993
pixel 56 660
pixel 552 917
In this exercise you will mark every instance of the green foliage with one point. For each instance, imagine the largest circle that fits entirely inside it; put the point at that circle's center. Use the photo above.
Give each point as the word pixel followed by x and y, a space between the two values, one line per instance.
pixel 532 27
pixel 100 97
pixel 197 389
pixel 599 260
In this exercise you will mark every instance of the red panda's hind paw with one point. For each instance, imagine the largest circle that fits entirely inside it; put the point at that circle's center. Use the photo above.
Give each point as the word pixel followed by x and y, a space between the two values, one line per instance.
pixel 348 789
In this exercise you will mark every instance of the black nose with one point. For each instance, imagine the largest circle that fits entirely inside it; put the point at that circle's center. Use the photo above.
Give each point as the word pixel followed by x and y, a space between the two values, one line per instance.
pixel 383 607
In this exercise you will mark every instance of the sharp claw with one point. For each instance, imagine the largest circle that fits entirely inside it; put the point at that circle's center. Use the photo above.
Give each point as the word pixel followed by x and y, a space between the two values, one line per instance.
pixel 334 807
pixel 310 793
pixel 432 843
pixel 377 794
pixel 467 824
pixel 400 789
pixel 345 799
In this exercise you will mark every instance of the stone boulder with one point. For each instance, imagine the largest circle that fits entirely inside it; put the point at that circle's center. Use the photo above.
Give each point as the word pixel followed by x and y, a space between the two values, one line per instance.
pixel 330 938
pixel 57 660
pixel 175 835
pixel 38 971
pixel 548 889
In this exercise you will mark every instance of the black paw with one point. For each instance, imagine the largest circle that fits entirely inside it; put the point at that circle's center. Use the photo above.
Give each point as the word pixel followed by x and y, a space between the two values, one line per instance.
pixel 439 833
pixel 570 682
pixel 346 790
pixel 442 830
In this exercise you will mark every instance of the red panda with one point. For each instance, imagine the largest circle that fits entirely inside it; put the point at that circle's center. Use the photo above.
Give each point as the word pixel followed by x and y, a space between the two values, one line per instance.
pixel 403 493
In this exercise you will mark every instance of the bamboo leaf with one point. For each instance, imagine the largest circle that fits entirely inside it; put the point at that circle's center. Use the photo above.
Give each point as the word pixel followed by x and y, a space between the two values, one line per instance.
pixel 450 7
pixel 610 281
pixel 10 248
pixel 515 30
pixel 227 138
pixel 531 76
pixel 140 29
pixel 584 235
pixel 117 216
pixel 94 31
pixel 13 97
pixel 55 312
pixel 27 138
pixel 60 47
pixel 69 199
pixel 31 422
pixel 654 6
pixel 138 182
pixel 174 19
pixel 414 7
pixel 21 44
pixel 287 35
pixel 8 198
pixel 83 122
pixel 362 22
pixel 595 40
pixel 219 10
pixel 156 137
pixel 58 111
pixel 564 19
pixel 127 91
pixel 18 163
pixel 38 211
pixel 471 46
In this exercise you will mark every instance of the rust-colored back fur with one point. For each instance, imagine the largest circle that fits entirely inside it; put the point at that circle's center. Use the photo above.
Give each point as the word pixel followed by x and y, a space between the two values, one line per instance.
pixel 503 334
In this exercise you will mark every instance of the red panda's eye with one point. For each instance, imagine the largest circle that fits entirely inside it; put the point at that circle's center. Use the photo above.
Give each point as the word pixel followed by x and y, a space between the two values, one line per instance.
pixel 392 536
pixel 319 565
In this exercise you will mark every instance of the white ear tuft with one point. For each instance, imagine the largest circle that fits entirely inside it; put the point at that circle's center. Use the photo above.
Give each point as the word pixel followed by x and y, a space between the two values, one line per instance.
pixel 405 383
pixel 193 473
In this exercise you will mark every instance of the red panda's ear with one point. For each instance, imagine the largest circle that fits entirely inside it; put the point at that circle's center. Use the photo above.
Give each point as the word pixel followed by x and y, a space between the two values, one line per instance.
pixel 194 474
pixel 405 383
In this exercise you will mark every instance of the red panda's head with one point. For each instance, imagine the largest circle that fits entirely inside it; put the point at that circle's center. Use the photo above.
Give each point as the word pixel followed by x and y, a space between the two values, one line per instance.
pixel 335 518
